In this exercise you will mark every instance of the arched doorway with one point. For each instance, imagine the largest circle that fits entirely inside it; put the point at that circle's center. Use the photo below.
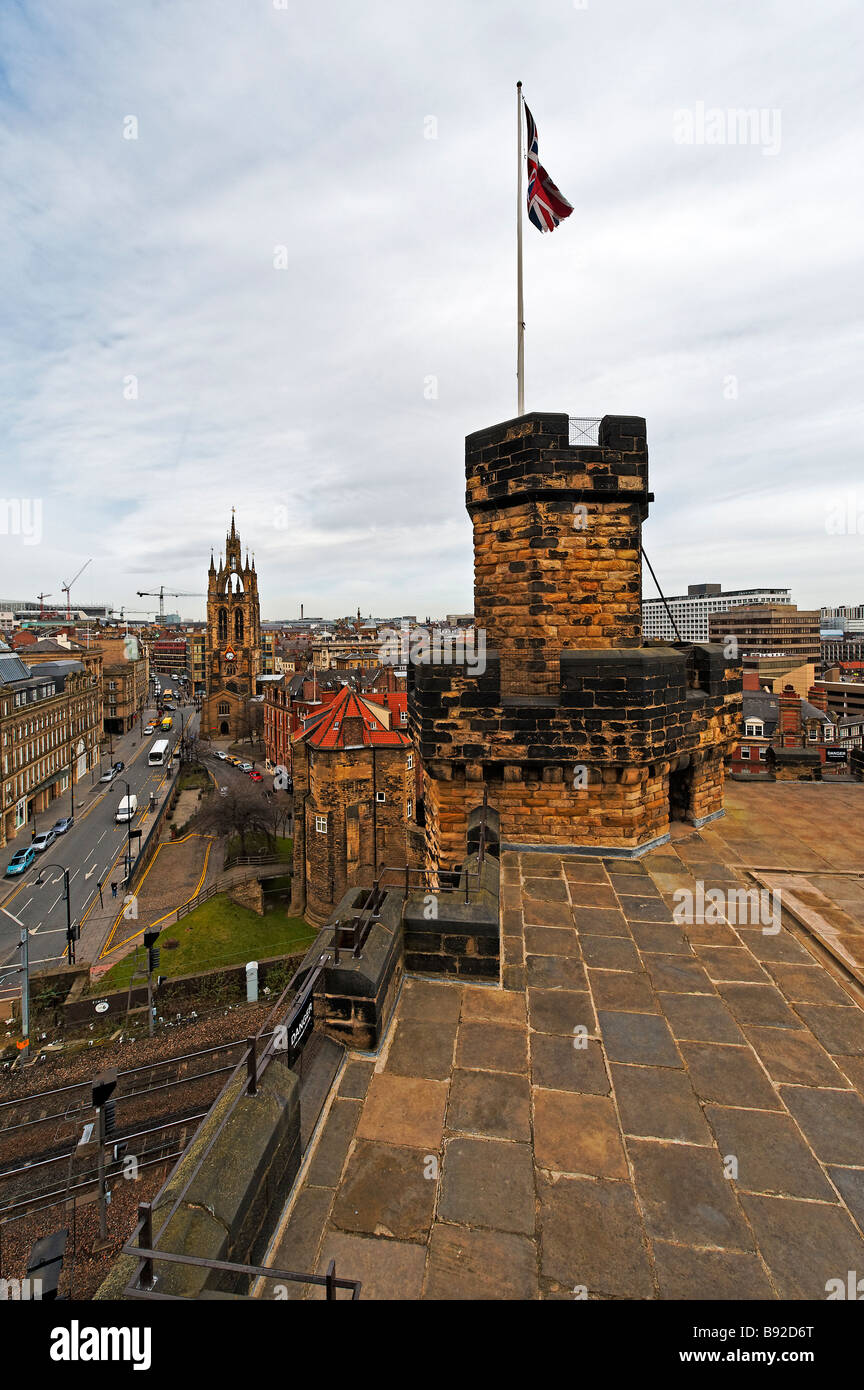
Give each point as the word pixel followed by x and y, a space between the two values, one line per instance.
pixel 223 727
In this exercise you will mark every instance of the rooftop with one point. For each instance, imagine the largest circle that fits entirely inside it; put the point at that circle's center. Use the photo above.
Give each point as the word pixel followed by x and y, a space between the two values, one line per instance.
pixel 646 1109
pixel 327 728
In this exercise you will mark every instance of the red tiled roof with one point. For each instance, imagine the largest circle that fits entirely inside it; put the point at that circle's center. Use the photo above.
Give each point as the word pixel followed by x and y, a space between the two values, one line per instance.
pixel 326 729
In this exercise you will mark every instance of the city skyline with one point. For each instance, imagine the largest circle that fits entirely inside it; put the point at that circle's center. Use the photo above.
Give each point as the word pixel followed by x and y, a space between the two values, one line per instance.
pixel 233 279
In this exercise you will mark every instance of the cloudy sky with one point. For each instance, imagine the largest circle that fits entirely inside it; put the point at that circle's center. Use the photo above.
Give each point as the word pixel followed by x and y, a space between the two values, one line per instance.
pixel 261 254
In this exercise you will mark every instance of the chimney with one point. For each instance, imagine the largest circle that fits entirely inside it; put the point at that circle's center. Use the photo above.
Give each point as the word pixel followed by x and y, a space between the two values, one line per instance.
pixel 789 720
pixel 818 697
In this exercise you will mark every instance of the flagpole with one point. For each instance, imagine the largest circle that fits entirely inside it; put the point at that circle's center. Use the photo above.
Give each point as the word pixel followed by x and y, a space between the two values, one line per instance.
pixel 520 314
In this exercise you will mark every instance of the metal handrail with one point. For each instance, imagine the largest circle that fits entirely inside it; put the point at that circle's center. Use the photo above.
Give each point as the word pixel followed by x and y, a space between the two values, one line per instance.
pixel 358 929
pixel 254 1069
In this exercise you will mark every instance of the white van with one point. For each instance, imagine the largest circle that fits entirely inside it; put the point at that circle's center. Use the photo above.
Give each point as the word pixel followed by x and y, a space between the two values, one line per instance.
pixel 127 808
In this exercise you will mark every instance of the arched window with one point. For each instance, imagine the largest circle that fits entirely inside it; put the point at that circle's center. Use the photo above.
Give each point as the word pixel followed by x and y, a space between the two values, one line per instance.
pixel 224 707
pixel 222 624
pixel 238 625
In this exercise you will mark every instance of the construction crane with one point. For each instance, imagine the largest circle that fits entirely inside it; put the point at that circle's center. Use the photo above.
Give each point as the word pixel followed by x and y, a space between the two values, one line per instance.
pixel 41 598
pixel 66 587
pixel 160 594
pixel 145 611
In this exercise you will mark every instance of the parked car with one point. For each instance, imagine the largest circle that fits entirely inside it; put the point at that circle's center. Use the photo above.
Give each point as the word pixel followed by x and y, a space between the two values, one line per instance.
pixel 20 862
pixel 220 754
pixel 44 840
pixel 118 767
pixel 63 824
pixel 245 767
pixel 149 728
pixel 255 777
pixel 109 775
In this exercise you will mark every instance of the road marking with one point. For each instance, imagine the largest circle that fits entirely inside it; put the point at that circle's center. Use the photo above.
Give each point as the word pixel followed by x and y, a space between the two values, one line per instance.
pixel 24 906
pixel 71 876
pixel 91 873
pixel 55 902
pixel 102 836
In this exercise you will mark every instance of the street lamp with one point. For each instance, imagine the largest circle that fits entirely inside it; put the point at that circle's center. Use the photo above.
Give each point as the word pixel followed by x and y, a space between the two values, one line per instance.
pixel 24 945
pixel 71 936
pixel 128 832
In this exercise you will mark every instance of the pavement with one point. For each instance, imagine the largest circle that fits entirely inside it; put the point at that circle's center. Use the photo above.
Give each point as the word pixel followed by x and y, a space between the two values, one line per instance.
pixel 93 851
pixel 644 1108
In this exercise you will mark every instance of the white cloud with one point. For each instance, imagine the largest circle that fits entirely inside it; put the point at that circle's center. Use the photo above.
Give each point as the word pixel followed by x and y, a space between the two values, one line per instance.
pixel 303 388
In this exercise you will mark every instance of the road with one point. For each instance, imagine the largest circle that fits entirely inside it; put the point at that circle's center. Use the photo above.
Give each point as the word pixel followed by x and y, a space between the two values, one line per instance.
pixel 93 852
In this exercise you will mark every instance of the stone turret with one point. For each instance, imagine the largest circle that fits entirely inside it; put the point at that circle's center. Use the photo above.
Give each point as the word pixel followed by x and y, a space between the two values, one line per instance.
pixel 585 737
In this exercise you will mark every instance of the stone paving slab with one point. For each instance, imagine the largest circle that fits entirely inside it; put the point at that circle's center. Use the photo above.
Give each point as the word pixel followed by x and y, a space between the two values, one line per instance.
pixel 652 1109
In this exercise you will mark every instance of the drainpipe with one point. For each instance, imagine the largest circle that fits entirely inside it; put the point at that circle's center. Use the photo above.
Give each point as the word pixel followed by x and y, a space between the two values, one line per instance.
pixel 298 883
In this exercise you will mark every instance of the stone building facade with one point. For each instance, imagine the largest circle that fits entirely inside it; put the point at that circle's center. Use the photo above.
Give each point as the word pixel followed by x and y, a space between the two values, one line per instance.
pixel 125 681
pixel 50 723
pixel 233 650
pixel 586 738
pixel 354 801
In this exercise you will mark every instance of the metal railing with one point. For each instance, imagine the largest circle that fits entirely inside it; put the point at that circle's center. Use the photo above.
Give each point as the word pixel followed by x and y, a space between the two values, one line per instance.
pixel 233 861
pixel 354 934
pixel 144 1248
pixel 584 430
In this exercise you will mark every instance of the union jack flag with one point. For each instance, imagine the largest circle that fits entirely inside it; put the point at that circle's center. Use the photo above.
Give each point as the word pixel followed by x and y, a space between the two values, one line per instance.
pixel 547 205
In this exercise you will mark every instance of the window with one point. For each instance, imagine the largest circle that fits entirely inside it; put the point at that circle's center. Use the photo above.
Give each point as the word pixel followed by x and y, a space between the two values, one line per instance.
pixel 380 796
pixel 409 807
pixel 763 754
pixel 813 733
pixel 745 754
pixel 410 761
pixel 753 728
pixel 321 825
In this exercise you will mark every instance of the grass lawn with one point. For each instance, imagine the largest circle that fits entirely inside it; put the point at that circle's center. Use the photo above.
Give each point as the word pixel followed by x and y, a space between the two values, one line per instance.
pixel 193 775
pixel 257 843
pixel 219 932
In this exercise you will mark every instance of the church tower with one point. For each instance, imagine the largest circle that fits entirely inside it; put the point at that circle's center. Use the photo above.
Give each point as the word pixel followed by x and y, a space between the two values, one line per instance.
pixel 233 643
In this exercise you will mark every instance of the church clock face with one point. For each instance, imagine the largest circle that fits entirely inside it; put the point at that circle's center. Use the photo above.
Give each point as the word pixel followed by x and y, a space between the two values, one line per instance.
pixel 230 654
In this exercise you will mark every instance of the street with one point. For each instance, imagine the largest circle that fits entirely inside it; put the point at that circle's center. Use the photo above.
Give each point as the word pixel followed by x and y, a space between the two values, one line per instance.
pixel 93 851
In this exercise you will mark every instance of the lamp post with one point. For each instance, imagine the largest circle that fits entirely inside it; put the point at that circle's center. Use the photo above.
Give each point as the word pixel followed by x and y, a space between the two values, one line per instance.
pixel 70 935
pixel 24 945
pixel 128 833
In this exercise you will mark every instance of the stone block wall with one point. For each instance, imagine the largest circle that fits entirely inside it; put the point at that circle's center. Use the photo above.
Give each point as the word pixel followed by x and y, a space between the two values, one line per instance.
pixel 362 833
pixel 584 737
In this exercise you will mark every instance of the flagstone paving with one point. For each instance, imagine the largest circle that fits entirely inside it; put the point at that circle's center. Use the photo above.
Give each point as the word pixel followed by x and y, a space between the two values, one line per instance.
pixel 645 1109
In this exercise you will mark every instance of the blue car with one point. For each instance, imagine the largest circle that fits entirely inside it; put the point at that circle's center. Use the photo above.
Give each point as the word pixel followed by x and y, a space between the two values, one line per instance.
pixel 20 862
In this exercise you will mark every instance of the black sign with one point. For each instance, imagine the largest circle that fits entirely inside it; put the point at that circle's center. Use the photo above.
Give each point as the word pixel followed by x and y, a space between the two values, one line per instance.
pixel 837 755
pixel 299 1026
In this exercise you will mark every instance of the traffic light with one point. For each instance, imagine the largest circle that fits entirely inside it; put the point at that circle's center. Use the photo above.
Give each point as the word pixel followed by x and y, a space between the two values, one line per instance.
pixel 109 1112
pixel 153 951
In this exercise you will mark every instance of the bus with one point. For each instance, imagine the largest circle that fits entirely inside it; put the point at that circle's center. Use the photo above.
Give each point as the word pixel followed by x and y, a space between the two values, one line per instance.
pixel 160 753
pixel 167 722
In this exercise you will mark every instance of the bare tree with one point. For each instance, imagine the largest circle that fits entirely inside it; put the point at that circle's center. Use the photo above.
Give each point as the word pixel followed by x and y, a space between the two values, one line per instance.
pixel 250 722
pixel 241 811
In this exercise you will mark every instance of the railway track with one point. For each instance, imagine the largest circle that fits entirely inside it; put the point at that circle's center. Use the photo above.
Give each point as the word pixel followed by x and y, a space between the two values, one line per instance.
pixel 46 1148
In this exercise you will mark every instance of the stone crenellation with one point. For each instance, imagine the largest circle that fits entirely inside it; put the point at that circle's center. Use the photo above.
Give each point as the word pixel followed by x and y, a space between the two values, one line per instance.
pixel 584 736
